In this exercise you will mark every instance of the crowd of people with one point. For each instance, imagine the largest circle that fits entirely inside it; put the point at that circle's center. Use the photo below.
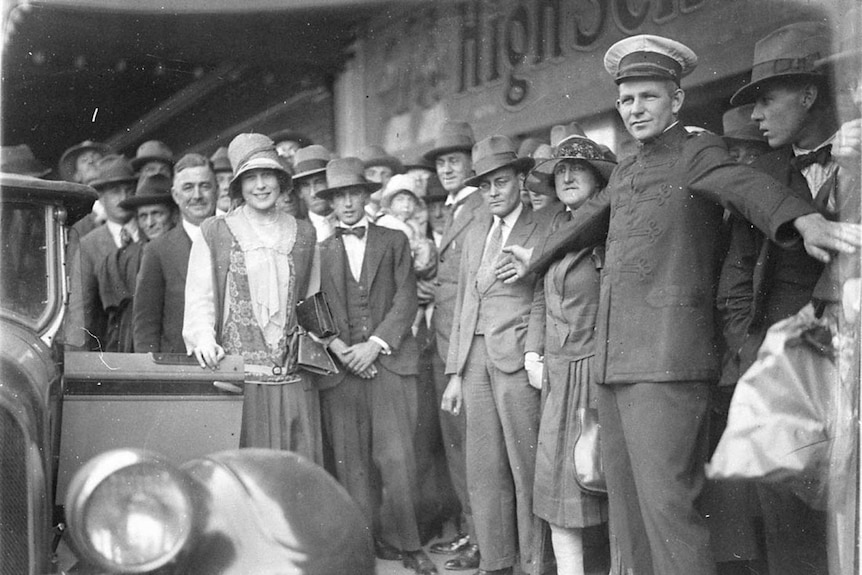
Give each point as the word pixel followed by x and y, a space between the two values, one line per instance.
pixel 538 342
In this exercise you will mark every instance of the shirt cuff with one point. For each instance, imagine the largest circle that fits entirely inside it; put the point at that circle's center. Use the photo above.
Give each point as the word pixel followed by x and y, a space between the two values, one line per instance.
pixel 386 349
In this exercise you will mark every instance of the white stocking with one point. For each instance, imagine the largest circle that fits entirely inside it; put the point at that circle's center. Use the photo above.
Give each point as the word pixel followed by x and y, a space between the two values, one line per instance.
pixel 568 550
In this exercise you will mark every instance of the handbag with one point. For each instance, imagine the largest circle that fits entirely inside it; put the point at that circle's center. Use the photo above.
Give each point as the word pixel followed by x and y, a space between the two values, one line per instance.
pixel 587 457
pixel 314 315
pixel 312 356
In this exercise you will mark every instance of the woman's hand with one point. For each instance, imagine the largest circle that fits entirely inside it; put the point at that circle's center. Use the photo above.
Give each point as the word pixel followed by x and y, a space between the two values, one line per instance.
pixel 452 397
pixel 208 354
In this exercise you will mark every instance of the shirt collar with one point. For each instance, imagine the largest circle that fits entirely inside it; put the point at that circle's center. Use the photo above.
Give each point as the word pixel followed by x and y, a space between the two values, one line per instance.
pixel 797 151
pixel 512 216
pixel 462 195
pixel 192 231
pixel 363 223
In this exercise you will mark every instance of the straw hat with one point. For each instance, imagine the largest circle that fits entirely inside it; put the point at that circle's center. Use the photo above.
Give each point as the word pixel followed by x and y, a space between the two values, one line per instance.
pixel 493 153
pixel 251 152
pixel 342 173
pixel 113 169
pixel 789 52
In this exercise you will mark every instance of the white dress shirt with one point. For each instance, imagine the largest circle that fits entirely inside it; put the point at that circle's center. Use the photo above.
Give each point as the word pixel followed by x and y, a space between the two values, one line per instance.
pixel 816 174
pixel 323 225
pixel 458 199
pixel 117 229
pixel 192 231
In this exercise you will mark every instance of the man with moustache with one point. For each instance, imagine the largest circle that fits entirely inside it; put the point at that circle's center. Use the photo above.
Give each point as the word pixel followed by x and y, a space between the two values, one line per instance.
pixel 655 353
pixel 160 292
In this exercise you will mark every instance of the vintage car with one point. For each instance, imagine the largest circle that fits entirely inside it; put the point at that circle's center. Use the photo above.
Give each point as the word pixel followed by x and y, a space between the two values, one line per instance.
pixel 129 463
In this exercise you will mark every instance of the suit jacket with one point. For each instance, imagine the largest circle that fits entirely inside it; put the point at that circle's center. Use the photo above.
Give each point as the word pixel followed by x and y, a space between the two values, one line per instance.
pixel 448 265
pixel 507 305
pixel 159 303
pixel 760 282
pixel 387 270
pixel 85 304
pixel 661 213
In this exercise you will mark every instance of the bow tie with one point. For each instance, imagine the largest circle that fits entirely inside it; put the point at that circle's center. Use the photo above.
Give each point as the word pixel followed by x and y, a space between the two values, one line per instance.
pixel 819 156
pixel 359 232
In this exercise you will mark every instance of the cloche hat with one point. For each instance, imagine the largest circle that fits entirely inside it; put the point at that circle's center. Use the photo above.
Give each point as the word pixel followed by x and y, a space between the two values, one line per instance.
pixel 255 151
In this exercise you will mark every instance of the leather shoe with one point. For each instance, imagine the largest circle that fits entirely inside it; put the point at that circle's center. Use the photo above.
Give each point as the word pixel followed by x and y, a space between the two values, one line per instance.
pixel 419 562
pixel 467 558
pixel 385 551
pixel 453 547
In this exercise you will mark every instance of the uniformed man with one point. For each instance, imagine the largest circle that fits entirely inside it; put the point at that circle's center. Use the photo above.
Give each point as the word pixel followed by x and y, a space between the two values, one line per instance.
pixel 655 353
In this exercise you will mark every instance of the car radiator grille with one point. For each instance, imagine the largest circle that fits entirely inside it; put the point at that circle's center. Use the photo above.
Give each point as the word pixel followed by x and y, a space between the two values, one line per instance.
pixel 14 522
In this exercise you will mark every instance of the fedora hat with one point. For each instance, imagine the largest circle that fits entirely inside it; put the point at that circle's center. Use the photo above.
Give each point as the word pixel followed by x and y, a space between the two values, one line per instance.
pixel 113 169
pixel 420 163
pixel 153 189
pixel 789 52
pixel 310 160
pixel 251 152
pixel 454 137
pixel 342 173
pixel 152 151
pixel 493 153
pixel 397 184
pixel 220 160
pixel 67 166
pixel 20 160
pixel 377 156
pixel 649 57
pixel 289 135
pixel 575 148
pixel 528 146
pixel 737 124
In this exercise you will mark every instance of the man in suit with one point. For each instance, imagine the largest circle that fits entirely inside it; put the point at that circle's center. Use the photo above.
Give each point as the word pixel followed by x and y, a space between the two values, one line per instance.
pixel 486 351
pixel 451 157
pixel 159 302
pixel 115 182
pixel 761 283
pixel 310 178
pixel 655 345
pixel 367 275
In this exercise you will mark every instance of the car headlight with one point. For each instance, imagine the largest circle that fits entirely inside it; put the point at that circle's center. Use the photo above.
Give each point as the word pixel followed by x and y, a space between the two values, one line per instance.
pixel 130 511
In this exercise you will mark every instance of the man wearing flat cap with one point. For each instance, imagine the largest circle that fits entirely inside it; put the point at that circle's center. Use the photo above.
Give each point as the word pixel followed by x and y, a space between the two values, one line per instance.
pixel 486 358
pixel 656 354
pixel 160 291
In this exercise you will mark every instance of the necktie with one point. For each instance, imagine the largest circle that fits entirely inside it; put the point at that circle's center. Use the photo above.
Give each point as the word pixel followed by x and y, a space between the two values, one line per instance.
pixel 819 156
pixel 125 237
pixel 485 276
pixel 359 232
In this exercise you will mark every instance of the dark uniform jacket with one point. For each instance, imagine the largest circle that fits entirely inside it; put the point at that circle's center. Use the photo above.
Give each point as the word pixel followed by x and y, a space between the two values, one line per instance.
pixel 761 283
pixel 661 212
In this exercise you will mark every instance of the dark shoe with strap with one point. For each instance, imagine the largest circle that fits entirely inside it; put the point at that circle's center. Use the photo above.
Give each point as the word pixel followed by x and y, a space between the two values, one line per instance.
pixel 419 562
pixel 385 551
pixel 453 547
pixel 467 558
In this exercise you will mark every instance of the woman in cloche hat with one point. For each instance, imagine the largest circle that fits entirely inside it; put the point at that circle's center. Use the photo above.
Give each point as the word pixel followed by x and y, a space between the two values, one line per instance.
pixel 244 280
pixel 578 170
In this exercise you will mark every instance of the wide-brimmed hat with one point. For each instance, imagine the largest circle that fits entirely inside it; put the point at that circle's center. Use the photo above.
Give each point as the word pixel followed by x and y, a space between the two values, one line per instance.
pixel 252 152
pixel 454 137
pixel 574 148
pixel 152 151
pixel 113 169
pixel 342 173
pixel 789 52
pixel 310 160
pixel 649 57
pixel 737 125
pixel 20 160
pixel 493 153
pixel 377 156
pixel 397 184
pixel 67 167
pixel 152 189
pixel 289 135
pixel 221 161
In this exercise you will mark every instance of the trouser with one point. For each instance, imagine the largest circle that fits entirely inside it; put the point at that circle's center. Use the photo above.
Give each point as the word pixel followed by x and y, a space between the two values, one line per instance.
pixel 502 434
pixel 654 447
